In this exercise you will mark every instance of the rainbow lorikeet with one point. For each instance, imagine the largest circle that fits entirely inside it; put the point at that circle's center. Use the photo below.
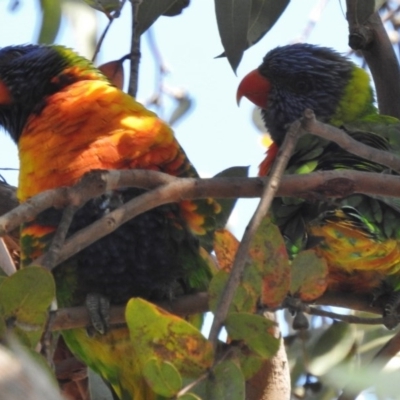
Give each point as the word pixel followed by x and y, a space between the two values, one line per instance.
pixel 67 119
pixel 359 236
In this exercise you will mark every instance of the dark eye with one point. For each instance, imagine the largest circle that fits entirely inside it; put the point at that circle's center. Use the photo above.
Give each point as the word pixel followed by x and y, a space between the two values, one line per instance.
pixel 302 86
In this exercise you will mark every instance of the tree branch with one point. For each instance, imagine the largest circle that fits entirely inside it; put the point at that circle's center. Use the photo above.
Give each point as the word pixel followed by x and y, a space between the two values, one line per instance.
pixel 78 317
pixel 50 258
pixel 298 305
pixel 314 186
pixel 135 50
pixel 242 255
pixel 372 39
pixel 346 142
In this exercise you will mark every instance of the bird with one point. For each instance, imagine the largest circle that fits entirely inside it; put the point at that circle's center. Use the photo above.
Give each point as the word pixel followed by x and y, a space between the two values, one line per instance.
pixel 358 235
pixel 67 119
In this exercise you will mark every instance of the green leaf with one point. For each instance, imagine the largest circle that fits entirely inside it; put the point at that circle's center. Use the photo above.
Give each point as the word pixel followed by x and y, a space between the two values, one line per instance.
pixel 250 362
pixel 24 300
pixel 157 334
pixel 309 276
pixel 189 396
pixel 51 20
pixel 331 348
pixel 246 295
pixel 105 6
pixel 177 8
pixel 227 205
pixel 227 382
pixel 233 21
pixel 253 330
pixel 149 11
pixel 162 377
pixel 263 15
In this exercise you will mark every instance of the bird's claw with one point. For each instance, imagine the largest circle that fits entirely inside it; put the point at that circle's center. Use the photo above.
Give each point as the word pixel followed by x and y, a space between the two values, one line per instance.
pixel 98 307
pixel 391 312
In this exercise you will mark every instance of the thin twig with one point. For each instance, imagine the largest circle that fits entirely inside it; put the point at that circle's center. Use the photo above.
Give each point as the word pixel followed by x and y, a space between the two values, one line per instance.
pixel 351 319
pixel 50 258
pixel 346 142
pixel 49 340
pixel 135 50
pixel 242 253
pixel 103 35
pixel 191 385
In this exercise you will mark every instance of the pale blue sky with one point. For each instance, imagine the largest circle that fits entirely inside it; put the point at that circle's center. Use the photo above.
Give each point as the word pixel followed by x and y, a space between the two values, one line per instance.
pixel 217 134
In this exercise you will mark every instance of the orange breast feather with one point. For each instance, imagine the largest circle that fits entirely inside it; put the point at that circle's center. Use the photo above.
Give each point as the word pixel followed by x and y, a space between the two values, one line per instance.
pixel 92 125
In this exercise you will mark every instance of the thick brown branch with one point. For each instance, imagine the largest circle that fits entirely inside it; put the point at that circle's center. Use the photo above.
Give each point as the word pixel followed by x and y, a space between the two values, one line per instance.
pixel 92 184
pixel 78 317
pixel 350 300
pixel 371 37
pixel 312 186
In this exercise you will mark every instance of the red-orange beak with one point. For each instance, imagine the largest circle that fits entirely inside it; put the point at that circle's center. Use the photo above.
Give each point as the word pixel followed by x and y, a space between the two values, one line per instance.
pixel 255 87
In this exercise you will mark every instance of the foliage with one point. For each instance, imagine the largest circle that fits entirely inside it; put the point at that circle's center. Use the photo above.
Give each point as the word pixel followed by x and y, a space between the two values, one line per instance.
pixel 175 357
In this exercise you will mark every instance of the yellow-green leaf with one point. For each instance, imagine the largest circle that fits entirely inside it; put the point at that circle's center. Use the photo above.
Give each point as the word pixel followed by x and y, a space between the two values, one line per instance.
pixel 225 247
pixel 253 330
pixel 158 334
pixel 162 377
pixel 24 300
pixel 268 254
